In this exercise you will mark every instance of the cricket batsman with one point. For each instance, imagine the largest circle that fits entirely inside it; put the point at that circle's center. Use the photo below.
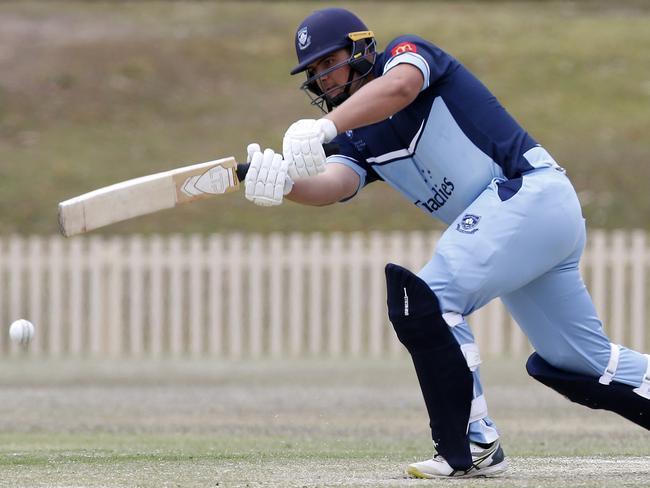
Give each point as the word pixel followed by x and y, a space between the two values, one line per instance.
pixel 413 116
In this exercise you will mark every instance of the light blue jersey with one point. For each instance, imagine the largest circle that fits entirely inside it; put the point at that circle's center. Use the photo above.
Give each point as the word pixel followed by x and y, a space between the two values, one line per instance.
pixel 515 226
pixel 445 148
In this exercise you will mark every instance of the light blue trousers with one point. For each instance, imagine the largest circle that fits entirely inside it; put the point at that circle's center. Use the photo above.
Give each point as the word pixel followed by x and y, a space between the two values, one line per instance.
pixel 526 250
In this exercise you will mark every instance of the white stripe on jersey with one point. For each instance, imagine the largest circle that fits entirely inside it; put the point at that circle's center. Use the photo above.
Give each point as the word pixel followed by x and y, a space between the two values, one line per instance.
pixel 400 153
pixel 411 58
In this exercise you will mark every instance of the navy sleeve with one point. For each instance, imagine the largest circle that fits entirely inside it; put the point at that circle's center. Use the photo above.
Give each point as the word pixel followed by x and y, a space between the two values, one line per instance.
pixel 432 61
pixel 351 154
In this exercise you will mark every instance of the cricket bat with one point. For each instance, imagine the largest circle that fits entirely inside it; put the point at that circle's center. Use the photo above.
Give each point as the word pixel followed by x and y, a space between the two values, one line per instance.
pixel 149 194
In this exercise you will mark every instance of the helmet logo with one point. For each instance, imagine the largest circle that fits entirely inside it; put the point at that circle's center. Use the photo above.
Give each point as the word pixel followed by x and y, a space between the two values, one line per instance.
pixel 304 39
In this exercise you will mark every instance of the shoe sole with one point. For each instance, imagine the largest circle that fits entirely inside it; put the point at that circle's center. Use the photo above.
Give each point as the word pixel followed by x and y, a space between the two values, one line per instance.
pixel 486 472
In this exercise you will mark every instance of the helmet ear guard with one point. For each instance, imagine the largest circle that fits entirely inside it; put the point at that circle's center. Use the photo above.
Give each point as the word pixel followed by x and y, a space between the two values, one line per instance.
pixel 363 43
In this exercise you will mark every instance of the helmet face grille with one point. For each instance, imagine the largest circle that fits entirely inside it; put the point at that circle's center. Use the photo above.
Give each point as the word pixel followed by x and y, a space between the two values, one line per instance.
pixel 361 61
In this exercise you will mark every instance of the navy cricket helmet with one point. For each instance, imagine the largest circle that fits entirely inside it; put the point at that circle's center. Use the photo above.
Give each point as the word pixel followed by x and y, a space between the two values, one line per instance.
pixel 324 32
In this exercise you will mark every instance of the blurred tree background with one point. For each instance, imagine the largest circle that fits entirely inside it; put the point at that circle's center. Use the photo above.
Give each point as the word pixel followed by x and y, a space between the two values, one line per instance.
pixel 92 93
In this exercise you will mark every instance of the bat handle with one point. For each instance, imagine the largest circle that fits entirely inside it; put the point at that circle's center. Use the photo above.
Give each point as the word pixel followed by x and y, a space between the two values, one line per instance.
pixel 242 168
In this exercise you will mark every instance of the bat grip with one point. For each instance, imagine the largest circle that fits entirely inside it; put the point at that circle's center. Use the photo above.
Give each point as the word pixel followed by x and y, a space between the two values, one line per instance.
pixel 330 149
pixel 242 169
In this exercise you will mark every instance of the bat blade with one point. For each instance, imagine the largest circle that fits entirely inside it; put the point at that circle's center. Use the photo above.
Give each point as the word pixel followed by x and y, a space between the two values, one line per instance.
pixel 147 194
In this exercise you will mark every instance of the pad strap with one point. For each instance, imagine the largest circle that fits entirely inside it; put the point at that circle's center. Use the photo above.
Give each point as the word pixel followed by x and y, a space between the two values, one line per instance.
pixel 479 405
pixel 472 356
pixel 644 389
pixel 452 318
pixel 479 409
pixel 612 365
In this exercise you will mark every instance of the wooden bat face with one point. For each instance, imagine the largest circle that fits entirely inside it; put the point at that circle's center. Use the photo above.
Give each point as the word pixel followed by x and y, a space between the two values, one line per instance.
pixel 145 195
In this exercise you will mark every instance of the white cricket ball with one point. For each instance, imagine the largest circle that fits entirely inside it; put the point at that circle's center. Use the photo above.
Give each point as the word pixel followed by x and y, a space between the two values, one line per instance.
pixel 21 331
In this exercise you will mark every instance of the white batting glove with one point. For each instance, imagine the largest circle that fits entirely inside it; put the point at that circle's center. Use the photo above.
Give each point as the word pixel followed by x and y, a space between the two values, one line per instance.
pixel 267 180
pixel 251 149
pixel 303 146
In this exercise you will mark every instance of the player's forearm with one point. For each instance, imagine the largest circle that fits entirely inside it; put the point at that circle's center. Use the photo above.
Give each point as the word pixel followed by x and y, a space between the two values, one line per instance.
pixel 337 183
pixel 377 100
pixel 315 190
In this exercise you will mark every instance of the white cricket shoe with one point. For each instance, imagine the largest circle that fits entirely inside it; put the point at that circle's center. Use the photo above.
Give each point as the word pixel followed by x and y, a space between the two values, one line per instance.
pixel 486 461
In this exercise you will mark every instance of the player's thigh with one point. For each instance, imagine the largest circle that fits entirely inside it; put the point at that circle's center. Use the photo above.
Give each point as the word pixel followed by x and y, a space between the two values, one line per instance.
pixel 499 244
pixel 557 315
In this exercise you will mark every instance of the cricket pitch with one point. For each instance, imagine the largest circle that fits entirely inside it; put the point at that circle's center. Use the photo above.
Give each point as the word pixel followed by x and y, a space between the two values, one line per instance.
pixel 289 423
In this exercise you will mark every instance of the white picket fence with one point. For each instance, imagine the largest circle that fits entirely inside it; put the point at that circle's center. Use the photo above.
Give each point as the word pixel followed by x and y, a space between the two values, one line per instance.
pixel 257 296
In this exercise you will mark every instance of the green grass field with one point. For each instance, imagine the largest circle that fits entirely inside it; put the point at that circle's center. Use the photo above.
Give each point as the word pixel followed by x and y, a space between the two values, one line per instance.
pixel 294 423
pixel 96 92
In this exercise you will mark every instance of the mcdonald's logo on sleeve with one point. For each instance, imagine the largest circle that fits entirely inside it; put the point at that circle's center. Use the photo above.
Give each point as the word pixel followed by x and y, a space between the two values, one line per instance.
pixel 404 47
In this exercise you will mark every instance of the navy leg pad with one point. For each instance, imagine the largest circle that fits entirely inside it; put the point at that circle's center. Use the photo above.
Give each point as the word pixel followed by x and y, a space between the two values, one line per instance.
pixel 445 379
pixel 587 391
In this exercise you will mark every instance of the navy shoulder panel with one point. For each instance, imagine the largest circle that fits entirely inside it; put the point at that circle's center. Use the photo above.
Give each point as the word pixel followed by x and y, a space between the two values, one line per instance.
pixel 433 61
